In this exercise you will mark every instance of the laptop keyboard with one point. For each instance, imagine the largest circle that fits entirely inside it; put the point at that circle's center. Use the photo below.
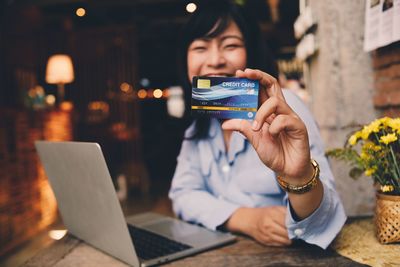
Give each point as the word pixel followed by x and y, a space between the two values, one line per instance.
pixel 149 245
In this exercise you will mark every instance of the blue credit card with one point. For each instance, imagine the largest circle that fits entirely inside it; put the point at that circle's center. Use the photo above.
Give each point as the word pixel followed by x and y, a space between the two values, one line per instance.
pixel 225 97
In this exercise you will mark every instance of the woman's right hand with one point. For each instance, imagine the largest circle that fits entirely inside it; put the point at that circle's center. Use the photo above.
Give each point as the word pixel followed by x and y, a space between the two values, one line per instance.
pixel 277 133
pixel 266 224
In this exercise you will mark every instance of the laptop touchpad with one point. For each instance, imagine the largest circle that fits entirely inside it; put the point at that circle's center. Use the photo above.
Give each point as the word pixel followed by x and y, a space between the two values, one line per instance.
pixel 172 229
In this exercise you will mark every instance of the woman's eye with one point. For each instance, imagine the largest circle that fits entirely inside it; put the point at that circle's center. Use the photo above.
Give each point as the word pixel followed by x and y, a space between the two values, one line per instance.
pixel 199 48
pixel 232 46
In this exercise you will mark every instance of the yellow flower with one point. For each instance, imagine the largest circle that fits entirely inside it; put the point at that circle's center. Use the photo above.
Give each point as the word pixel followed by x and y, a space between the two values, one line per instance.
pixel 353 139
pixel 374 126
pixel 385 120
pixel 365 132
pixel 394 124
pixel 364 155
pixel 389 138
pixel 376 148
pixel 387 188
pixel 371 146
pixel 369 172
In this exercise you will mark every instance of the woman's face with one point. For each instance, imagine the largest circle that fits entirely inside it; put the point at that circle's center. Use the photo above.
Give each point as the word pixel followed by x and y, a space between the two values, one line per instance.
pixel 218 56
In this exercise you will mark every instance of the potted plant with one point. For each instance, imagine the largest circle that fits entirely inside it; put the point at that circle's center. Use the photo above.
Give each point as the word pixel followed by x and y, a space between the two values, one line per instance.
pixel 375 151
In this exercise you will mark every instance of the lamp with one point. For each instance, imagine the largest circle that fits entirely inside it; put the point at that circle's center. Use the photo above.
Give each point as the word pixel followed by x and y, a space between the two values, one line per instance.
pixel 59 71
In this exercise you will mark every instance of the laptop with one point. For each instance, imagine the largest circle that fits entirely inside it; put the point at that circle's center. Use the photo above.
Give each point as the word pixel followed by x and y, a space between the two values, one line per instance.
pixel 91 211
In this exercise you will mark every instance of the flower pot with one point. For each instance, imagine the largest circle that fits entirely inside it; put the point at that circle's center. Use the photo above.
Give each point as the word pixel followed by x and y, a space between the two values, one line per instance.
pixel 387 218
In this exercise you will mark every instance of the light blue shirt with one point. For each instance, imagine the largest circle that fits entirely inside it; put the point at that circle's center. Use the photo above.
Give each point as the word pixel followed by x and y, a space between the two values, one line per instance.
pixel 209 183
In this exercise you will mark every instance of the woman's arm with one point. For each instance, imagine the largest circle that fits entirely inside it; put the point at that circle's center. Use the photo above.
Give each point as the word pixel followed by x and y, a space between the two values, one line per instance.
pixel 280 138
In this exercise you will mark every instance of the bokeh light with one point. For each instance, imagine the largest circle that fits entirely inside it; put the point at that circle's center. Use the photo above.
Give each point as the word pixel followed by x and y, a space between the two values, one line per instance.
pixel 80 12
pixel 191 7
pixel 142 93
pixel 158 93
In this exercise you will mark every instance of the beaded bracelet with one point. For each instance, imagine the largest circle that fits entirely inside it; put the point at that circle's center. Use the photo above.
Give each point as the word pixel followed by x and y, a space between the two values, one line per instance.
pixel 301 189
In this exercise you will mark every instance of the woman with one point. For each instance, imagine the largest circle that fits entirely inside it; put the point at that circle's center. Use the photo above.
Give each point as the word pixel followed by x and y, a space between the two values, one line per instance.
pixel 261 181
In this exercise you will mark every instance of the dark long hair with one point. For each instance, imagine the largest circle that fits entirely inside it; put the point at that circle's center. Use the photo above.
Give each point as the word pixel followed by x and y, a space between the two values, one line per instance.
pixel 210 19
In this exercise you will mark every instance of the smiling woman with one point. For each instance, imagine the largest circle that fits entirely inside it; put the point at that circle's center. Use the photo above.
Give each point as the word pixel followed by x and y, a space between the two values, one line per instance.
pixel 220 56
pixel 223 179
pixel 217 41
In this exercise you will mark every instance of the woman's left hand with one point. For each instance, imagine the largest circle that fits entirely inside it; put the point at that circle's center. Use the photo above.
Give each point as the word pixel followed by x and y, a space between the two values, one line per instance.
pixel 278 135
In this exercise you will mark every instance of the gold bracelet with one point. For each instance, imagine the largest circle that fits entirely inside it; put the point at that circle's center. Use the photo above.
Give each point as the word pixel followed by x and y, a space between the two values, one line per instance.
pixel 301 189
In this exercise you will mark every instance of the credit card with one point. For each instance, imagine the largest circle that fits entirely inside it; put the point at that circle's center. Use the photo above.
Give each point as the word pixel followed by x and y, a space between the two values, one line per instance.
pixel 224 97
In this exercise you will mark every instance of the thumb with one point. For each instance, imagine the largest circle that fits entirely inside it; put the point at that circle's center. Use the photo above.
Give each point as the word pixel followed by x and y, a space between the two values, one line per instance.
pixel 242 126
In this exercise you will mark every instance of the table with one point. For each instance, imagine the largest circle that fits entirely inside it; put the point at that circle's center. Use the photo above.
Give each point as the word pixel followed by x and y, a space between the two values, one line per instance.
pixel 70 251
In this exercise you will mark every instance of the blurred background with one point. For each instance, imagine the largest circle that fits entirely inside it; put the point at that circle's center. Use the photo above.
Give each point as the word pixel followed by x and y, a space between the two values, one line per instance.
pixel 105 71
pixel 123 56
pixel 100 71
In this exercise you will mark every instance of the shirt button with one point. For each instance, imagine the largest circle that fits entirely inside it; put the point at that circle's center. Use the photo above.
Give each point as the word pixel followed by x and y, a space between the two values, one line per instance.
pixel 298 232
pixel 226 168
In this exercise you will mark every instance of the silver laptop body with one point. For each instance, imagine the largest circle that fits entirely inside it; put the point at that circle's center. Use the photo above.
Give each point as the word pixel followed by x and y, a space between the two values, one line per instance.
pixel 91 211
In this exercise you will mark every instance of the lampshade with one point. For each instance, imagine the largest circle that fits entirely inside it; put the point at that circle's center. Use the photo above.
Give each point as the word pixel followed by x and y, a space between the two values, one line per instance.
pixel 59 69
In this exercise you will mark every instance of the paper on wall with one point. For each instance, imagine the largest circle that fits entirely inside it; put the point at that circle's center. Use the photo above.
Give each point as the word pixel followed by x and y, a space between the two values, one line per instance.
pixel 382 23
pixel 396 20
pixel 372 23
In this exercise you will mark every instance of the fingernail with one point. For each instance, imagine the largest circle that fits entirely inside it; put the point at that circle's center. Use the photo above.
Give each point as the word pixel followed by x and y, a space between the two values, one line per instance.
pixel 254 126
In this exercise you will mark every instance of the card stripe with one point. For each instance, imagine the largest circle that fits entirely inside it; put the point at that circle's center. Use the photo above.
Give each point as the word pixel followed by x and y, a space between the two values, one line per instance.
pixel 224 108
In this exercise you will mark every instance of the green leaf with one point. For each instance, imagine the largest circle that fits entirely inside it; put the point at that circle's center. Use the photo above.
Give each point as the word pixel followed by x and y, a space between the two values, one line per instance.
pixel 355 172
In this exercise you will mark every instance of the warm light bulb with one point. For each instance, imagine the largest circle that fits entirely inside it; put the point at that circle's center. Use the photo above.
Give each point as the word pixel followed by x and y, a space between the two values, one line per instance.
pixel 66 106
pixel 157 93
pixel 57 234
pixel 142 93
pixel 126 88
pixel 50 100
pixel 80 12
pixel 191 7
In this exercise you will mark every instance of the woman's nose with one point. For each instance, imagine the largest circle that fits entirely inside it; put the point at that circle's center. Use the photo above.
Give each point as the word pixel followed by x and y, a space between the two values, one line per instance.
pixel 216 58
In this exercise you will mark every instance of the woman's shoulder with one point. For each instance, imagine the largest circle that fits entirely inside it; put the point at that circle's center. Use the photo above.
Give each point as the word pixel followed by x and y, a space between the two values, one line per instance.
pixel 295 102
pixel 292 97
